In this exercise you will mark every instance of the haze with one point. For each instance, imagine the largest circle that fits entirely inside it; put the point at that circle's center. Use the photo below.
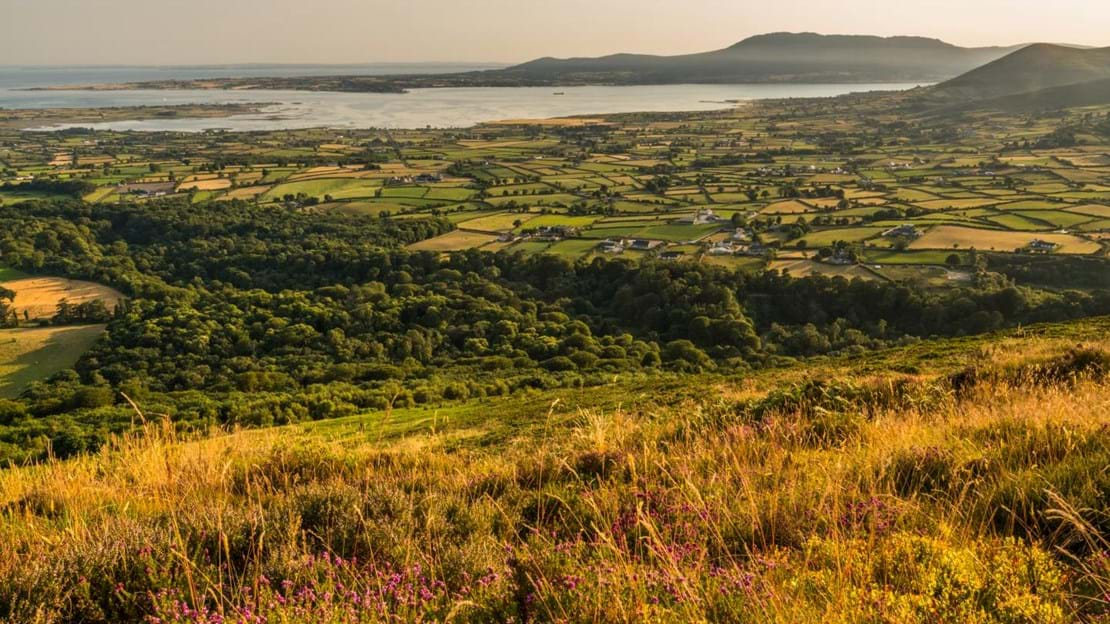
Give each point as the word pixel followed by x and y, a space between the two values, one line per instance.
pixel 348 31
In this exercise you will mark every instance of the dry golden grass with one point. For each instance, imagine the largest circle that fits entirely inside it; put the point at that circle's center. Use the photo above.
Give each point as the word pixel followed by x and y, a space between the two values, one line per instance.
pixel 806 268
pixel 217 184
pixel 454 241
pixel 791 206
pixel 38 297
pixel 247 192
pixel 953 237
pixel 870 499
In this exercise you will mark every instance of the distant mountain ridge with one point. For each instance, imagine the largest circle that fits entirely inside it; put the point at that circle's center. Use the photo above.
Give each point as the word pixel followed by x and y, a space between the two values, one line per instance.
pixel 776 57
pixel 1032 68
pixel 1038 76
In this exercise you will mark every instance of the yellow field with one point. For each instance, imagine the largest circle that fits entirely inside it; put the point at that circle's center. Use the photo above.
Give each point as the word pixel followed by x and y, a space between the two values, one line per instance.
pixel 453 241
pixel 1094 210
pixel 27 355
pixel 786 207
pixel 246 192
pixel 38 297
pixel 944 204
pixel 206 185
pixel 502 221
pixel 806 268
pixel 955 237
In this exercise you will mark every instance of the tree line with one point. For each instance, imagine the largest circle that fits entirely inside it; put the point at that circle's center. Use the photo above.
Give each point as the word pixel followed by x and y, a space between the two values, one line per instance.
pixel 248 315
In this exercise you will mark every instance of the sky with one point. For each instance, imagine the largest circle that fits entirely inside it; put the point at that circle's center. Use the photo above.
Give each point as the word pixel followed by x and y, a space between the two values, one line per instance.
pixel 164 32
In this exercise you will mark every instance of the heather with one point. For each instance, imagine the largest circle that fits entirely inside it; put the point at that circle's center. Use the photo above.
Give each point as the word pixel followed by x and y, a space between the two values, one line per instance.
pixel 973 492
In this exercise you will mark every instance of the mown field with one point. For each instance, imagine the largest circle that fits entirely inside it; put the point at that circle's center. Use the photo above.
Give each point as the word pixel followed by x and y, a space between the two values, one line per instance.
pixel 37 298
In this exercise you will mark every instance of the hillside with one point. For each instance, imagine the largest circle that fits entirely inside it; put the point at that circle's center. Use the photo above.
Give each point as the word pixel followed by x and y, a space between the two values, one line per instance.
pixel 1034 68
pixel 1092 93
pixel 778 57
pixel 772 58
pixel 973 490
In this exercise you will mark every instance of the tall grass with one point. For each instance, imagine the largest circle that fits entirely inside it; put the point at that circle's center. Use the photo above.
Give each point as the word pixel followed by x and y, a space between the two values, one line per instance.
pixel 873 501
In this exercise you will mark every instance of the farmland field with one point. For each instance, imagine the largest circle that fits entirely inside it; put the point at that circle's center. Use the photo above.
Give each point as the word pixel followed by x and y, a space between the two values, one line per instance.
pixel 807 360
pixel 454 241
pixel 955 237
pixel 38 297
pixel 28 355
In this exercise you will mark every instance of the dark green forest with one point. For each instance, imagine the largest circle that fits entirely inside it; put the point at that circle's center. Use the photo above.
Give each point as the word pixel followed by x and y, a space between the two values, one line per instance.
pixel 239 315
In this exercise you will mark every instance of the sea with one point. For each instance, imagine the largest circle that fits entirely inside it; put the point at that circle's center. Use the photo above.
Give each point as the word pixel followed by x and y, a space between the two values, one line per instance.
pixel 419 108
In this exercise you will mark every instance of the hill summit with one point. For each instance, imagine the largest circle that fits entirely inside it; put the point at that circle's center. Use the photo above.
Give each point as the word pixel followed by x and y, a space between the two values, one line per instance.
pixel 776 58
pixel 1030 69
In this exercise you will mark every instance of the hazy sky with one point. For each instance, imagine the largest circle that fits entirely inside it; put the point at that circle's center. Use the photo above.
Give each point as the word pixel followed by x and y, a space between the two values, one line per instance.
pixel 341 31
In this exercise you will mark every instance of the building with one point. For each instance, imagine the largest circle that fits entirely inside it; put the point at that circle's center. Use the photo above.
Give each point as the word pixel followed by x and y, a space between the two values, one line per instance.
pixel 841 257
pixel 721 249
pixel 704 216
pixel 611 247
pixel 553 232
pixel 756 249
pixel 642 244
pixel 740 236
pixel 1042 246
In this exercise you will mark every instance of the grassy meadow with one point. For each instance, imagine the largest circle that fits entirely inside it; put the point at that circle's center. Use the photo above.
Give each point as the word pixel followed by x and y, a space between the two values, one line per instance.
pixel 973 489
pixel 32 354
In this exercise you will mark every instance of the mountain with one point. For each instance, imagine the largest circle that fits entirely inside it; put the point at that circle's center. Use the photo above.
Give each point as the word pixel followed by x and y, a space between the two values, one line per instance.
pixel 1093 93
pixel 1040 67
pixel 772 58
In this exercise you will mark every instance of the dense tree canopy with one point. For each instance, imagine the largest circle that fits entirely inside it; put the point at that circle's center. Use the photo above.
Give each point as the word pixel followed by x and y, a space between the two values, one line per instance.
pixel 242 314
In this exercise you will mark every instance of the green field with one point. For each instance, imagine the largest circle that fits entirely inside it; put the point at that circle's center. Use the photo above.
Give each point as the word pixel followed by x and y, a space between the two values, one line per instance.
pixel 339 188
pixel 7 274
pixel 28 355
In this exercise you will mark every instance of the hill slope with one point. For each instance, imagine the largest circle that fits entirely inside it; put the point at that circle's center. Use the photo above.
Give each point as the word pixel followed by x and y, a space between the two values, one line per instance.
pixel 1034 68
pixel 974 497
pixel 778 57
pixel 1092 93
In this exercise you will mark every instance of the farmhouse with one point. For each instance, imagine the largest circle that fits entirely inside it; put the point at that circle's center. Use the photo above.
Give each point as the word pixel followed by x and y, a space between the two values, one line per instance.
pixel 756 249
pixel 740 236
pixel 642 244
pixel 553 232
pixel 611 247
pixel 721 249
pixel 841 257
pixel 1042 246
pixel 428 178
pixel 702 217
pixel 671 255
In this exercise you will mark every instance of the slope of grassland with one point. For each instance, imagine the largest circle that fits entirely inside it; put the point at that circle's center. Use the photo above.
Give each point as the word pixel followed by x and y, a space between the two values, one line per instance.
pixel 32 354
pixel 1033 68
pixel 969 486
